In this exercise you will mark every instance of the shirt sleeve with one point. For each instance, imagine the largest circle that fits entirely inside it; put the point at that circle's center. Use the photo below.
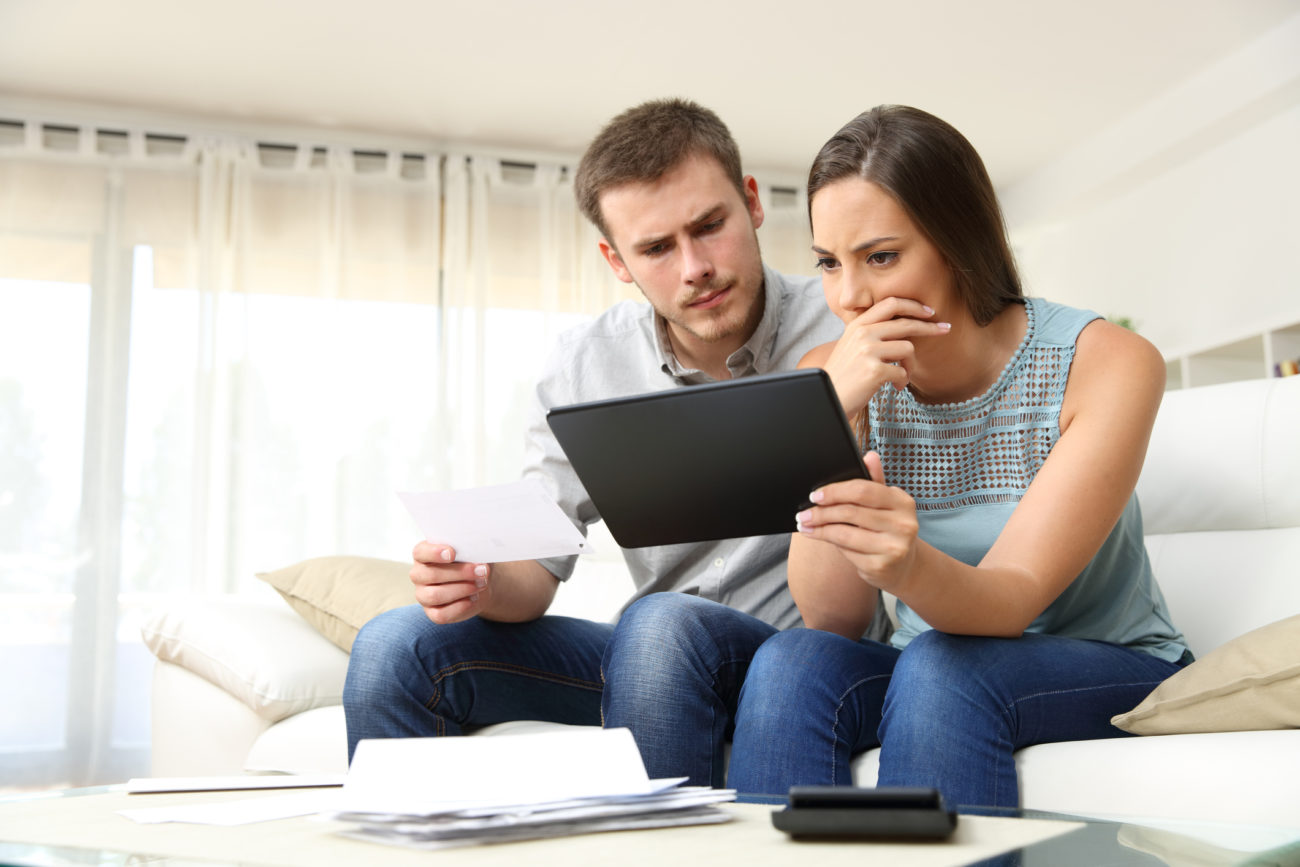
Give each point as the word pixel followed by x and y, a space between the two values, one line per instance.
pixel 546 461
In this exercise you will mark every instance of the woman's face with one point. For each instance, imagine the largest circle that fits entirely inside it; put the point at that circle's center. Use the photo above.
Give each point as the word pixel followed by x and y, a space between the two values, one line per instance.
pixel 868 249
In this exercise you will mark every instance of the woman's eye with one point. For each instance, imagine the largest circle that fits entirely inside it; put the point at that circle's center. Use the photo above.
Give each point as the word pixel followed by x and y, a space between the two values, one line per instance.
pixel 882 257
pixel 825 263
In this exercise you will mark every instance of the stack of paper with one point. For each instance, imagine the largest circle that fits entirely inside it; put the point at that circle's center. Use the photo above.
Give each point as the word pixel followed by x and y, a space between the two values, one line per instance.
pixel 435 792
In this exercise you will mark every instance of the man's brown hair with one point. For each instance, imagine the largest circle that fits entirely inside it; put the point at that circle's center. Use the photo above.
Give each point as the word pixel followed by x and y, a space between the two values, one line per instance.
pixel 646 142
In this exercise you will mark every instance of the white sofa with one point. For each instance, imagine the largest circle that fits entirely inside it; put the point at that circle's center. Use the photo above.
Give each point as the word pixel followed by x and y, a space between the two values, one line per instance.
pixel 246 684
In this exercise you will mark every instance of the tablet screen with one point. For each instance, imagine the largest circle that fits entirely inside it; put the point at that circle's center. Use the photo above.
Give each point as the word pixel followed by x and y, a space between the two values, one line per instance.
pixel 705 462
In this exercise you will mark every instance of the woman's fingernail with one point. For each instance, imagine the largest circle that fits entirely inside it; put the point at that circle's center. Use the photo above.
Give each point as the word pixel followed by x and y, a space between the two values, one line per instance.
pixel 945 326
pixel 480 583
pixel 816 496
pixel 803 516
pixel 446 554
pixel 480 570
pixel 929 311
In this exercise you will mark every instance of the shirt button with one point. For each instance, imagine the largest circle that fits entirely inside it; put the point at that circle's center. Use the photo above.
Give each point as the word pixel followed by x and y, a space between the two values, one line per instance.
pixel 718 562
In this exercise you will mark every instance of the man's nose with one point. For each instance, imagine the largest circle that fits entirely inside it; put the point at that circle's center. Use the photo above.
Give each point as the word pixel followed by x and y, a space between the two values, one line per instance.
pixel 697 265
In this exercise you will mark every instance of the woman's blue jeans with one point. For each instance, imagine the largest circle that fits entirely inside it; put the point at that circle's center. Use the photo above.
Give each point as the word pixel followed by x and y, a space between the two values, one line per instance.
pixel 948 711
pixel 410 677
pixel 687 675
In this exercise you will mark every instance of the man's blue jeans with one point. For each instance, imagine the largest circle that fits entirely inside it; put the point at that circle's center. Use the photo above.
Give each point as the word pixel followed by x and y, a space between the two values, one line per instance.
pixel 410 677
pixel 673 675
pixel 948 711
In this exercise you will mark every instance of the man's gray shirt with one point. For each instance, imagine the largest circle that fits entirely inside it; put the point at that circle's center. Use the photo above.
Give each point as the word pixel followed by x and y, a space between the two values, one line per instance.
pixel 625 351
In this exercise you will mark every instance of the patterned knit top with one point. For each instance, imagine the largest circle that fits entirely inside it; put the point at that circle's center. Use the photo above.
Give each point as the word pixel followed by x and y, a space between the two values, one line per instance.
pixel 968 464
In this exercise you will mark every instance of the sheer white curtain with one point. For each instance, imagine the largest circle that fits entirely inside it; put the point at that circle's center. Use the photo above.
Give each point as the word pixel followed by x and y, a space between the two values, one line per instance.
pixel 219 357
pixel 521 266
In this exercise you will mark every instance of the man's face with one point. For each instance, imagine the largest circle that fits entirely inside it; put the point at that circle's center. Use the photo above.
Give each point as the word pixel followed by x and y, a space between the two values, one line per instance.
pixel 688 242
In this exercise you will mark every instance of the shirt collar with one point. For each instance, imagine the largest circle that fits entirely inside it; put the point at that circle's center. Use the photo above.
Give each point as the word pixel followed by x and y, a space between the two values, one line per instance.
pixel 751 358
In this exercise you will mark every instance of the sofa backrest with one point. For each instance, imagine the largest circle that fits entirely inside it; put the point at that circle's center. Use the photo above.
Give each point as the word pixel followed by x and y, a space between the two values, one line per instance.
pixel 1220 497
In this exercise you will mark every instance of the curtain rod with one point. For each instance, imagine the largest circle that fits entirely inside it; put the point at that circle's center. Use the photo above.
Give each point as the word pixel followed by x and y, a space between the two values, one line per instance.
pixel 277 146
pixel 267 145
pixel 181 139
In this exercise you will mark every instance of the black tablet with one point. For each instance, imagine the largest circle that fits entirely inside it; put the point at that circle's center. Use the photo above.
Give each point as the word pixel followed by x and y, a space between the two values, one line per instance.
pixel 705 462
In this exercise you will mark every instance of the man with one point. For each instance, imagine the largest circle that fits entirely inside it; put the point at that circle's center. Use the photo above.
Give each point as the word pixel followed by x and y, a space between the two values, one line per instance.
pixel 662 182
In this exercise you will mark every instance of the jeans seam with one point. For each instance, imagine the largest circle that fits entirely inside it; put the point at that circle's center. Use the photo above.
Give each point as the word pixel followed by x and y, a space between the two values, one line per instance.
pixel 1084 689
pixel 506 668
pixel 835 722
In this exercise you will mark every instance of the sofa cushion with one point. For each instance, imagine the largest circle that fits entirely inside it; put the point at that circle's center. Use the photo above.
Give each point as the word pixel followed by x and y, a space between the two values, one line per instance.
pixel 1232 777
pixel 338 594
pixel 260 652
pixel 1250 683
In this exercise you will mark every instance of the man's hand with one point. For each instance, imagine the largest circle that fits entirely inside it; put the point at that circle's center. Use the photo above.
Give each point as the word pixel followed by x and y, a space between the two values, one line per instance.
pixel 450 591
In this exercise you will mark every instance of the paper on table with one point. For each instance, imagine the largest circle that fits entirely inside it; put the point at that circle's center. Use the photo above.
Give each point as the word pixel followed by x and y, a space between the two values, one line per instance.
pixel 242 812
pixel 150 785
pixel 423 776
pixel 493 524
pixel 539 827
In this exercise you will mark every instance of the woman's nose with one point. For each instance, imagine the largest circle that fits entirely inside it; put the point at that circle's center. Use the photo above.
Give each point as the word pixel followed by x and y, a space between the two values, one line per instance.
pixel 854 293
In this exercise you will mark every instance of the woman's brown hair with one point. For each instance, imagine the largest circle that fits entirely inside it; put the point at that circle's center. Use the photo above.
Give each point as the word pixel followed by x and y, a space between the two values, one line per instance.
pixel 937 177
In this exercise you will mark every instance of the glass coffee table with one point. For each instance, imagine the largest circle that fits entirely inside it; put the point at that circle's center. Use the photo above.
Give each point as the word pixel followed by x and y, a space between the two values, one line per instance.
pixel 83 827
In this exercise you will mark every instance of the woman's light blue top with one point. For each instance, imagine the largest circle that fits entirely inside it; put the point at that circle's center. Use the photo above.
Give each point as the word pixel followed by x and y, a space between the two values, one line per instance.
pixel 968 464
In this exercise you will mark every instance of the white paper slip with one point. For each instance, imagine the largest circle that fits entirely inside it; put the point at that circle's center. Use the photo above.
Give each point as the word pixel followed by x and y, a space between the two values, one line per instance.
pixel 497 523
pixel 425 776
pixel 151 785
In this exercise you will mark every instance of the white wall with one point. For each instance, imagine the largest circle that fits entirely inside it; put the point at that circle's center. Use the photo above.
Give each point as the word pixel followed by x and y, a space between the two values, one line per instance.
pixel 1185 216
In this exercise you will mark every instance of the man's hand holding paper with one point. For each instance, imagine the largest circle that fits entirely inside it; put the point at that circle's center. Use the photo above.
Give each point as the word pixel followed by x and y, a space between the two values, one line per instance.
pixel 468 531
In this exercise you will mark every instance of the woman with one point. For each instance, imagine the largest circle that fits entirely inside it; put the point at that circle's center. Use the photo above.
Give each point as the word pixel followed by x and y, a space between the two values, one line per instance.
pixel 1003 437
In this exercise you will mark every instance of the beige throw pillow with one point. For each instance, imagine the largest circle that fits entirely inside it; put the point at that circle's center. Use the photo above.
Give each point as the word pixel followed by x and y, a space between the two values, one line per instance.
pixel 337 595
pixel 1249 684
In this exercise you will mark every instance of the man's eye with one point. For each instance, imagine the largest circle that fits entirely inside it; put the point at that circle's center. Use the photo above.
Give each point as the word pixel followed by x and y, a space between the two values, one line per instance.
pixel 882 257
pixel 656 250
pixel 710 227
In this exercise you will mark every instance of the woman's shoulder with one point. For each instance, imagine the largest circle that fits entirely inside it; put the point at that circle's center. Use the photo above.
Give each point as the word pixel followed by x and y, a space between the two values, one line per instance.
pixel 1114 366
pixel 1100 346
pixel 1105 344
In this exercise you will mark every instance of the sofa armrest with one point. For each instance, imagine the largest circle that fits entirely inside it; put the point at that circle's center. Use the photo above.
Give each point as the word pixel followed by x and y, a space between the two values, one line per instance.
pixel 262 653
pixel 198 729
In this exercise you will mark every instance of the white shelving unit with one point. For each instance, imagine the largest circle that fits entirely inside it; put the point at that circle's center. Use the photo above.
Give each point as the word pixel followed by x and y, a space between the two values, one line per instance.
pixel 1252 357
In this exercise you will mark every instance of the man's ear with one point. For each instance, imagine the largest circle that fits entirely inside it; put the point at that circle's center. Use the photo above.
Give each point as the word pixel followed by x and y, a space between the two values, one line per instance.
pixel 752 204
pixel 615 261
